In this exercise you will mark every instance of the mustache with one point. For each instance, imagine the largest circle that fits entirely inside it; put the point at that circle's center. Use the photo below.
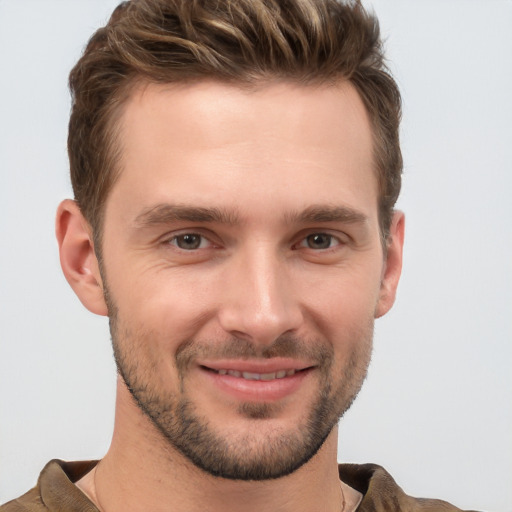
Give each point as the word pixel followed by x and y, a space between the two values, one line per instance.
pixel 287 346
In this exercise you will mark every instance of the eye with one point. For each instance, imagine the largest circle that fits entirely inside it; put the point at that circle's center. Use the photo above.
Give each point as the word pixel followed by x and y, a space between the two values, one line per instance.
pixel 319 241
pixel 189 241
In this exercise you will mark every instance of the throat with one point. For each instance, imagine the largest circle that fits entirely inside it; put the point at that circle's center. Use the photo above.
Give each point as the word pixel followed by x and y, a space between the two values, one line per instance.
pixel 88 486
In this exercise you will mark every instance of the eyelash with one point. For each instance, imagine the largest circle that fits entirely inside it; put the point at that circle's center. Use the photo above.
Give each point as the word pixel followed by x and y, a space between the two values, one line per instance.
pixel 333 241
pixel 174 241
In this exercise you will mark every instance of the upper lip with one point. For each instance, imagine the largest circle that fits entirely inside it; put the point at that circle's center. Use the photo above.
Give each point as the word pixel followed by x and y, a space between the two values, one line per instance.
pixel 256 365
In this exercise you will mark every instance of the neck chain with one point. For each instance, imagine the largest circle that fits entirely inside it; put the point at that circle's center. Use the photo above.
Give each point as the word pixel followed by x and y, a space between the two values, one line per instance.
pixel 343 502
pixel 96 501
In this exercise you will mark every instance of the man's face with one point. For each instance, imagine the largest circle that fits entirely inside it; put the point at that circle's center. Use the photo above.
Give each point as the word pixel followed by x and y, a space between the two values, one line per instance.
pixel 243 264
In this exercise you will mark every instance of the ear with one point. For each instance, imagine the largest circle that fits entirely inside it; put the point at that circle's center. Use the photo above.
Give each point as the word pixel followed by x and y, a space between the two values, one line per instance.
pixel 77 257
pixel 392 265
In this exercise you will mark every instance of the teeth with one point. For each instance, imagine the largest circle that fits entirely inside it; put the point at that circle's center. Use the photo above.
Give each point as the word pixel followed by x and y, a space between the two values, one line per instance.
pixel 251 376
pixel 280 374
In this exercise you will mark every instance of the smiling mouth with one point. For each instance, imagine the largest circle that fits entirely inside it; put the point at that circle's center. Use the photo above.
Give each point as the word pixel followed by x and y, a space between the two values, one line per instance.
pixel 280 374
pixel 255 381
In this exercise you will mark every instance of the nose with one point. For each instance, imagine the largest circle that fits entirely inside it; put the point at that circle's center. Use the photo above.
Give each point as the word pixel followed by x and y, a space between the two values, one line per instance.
pixel 260 301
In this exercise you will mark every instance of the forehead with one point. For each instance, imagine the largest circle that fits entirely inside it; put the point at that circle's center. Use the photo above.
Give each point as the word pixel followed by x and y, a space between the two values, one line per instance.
pixel 280 140
pixel 210 112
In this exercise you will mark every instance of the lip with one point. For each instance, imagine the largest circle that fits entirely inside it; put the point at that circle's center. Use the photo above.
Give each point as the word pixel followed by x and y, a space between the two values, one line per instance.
pixel 255 390
pixel 256 365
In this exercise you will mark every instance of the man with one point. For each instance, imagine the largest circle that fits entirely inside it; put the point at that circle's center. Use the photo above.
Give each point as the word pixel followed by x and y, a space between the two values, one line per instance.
pixel 235 168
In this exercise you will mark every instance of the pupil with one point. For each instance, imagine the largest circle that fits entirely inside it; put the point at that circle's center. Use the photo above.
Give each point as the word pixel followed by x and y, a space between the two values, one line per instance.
pixel 189 241
pixel 320 241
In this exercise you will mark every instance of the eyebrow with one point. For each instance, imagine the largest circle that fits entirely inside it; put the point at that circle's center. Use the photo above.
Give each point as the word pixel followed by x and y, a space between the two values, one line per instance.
pixel 327 213
pixel 167 213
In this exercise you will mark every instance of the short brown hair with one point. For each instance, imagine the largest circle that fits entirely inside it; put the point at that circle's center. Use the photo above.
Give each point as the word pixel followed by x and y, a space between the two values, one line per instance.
pixel 239 41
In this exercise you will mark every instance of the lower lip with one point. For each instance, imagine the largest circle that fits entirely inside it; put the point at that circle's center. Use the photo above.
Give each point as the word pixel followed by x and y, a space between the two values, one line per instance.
pixel 256 390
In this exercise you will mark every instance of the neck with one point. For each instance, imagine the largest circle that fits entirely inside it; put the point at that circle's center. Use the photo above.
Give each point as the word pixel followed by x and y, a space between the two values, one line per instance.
pixel 141 471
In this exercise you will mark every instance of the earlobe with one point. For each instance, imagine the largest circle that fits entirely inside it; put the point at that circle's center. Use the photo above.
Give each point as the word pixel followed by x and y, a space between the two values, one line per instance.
pixel 392 265
pixel 77 257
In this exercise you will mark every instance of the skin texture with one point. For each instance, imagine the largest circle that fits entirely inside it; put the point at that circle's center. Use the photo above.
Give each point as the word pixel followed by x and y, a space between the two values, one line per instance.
pixel 242 235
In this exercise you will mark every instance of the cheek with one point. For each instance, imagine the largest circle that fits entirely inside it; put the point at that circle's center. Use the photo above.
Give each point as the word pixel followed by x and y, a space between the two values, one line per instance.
pixel 344 298
pixel 145 347
pixel 173 304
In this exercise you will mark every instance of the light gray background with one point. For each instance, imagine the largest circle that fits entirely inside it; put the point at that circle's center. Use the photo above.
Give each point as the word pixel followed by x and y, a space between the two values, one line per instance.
pixel 436 409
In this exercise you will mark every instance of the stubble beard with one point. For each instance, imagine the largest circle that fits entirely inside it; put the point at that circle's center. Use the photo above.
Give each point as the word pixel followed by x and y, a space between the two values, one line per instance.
pixel 246 457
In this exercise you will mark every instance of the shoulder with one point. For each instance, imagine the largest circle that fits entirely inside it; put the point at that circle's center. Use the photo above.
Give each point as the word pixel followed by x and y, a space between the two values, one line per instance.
pixel 55 490
pixel 29 502
pixel 381 492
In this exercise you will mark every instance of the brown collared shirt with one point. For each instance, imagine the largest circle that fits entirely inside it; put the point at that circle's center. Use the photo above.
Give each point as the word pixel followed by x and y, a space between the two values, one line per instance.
pixel 56 492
